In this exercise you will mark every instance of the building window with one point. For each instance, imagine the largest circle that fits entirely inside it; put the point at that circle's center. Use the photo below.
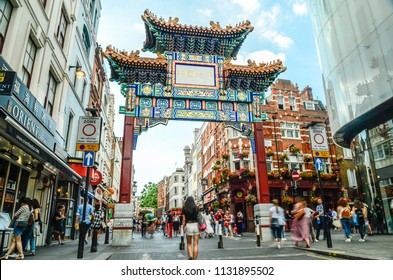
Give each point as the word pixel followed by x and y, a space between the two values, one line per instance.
pixel 280 102
pixel 237 165
pixel 175 190
pixel 309 105
pixel 290 130
pixel 61 29
pixel 69 130
pixel 347 153
pixel 28 62
pixel 176 179
pixel 351 178
pixel 380 151
pixel 86 38
pixel 292 103
pixel 50 94
pixel 5 17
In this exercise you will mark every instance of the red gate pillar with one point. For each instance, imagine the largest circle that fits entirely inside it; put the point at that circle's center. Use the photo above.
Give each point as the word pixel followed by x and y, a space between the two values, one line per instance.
pixel 126 166
pixel 263 186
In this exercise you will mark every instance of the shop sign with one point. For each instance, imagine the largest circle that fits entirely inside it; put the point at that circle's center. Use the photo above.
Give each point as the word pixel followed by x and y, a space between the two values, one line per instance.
pixel 23 94
pixel 98 193
pixel 96 178
pixel 27 121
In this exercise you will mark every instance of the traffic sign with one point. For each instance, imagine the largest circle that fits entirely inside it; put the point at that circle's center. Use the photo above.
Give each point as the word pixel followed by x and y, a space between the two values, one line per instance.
pixel 318 139
pixel 88 147
pixel 89 133
pixel 318 164
pixel 88 159
pixel 321 154
pixel 295 175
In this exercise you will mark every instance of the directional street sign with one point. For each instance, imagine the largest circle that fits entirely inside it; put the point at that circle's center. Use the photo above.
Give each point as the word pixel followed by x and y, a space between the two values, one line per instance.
pixel 318 164
pixel 88 159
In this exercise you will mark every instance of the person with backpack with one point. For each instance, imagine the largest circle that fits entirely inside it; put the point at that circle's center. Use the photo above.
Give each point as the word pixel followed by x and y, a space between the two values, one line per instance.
pixel 360 211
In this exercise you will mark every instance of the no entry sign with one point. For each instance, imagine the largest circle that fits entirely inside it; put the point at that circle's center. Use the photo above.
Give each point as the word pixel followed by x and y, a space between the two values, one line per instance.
pixel 89 134
pixel 295 175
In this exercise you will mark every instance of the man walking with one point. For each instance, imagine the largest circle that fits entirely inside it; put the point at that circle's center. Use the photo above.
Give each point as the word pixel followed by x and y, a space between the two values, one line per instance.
pixel 78 219
pixel 319 216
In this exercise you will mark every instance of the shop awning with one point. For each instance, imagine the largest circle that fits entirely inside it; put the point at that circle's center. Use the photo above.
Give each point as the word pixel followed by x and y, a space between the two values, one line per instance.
pixel 46 155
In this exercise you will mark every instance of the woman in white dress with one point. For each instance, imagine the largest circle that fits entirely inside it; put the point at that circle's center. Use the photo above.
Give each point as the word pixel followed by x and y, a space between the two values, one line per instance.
pixel 209 229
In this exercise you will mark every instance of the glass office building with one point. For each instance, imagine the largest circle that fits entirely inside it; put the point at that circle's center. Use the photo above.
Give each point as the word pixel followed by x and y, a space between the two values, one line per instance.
pixel 355 48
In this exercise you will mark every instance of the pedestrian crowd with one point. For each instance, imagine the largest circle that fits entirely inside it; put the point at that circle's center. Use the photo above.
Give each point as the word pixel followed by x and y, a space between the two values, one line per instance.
pixel 307 224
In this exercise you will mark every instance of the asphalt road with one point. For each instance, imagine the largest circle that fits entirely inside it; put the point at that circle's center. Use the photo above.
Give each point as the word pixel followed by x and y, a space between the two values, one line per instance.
pixel 162 248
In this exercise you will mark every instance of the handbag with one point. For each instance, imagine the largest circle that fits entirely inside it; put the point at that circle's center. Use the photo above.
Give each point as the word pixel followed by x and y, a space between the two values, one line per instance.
pixel 21 224
pixel 337 224
pixel 299 214
pixel 31 221
pixel 201 223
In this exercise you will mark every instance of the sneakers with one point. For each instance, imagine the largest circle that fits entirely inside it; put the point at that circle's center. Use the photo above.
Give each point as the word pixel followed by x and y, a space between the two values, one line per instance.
pixel 361 240
pixel 316 240
pixel 86 242
pixel 348 240
pixel 278 246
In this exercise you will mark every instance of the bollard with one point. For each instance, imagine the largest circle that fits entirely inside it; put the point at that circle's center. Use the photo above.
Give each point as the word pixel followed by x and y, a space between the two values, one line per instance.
pixel 220 242
pixel 257 231
pixel 107 234
pixel 94 241
pixel 181 245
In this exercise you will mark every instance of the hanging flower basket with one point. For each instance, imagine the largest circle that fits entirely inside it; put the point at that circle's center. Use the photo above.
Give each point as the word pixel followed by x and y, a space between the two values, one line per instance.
pixel 269 154
pixel 294 150
pixel 225 156
pixel 250 199
pixel 242 155
pixel 307 158
pixel 284 157
pixel 287 199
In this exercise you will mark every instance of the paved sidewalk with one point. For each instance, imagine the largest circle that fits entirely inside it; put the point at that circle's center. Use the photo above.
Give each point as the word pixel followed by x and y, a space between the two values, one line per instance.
pixel 377 247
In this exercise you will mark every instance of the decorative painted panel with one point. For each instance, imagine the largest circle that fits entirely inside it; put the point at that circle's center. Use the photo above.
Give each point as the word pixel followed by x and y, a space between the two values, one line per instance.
pixel 193 91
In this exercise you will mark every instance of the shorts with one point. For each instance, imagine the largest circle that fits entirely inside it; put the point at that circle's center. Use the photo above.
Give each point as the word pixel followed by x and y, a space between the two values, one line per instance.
pixel 17 230
pixel 192 229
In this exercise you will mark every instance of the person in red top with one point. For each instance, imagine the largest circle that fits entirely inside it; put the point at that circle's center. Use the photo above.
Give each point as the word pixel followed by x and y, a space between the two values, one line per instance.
pixel 170 224
pixel 218 221
pixel 227 224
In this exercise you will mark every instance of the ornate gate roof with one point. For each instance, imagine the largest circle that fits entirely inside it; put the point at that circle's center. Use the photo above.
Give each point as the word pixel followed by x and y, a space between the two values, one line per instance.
pixel 171 36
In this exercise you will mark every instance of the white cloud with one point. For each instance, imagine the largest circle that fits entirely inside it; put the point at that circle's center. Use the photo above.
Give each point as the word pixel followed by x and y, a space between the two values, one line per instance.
pixel 259 56
pixel 248 6
pixel 267 24
pixel 300 8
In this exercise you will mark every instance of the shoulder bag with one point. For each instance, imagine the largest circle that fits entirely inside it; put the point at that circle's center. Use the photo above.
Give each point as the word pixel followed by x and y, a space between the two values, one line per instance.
pixel 201 222
pixel 299 214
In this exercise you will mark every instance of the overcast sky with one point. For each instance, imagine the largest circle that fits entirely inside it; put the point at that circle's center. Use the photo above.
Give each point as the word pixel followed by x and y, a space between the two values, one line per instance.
pixel 282 29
